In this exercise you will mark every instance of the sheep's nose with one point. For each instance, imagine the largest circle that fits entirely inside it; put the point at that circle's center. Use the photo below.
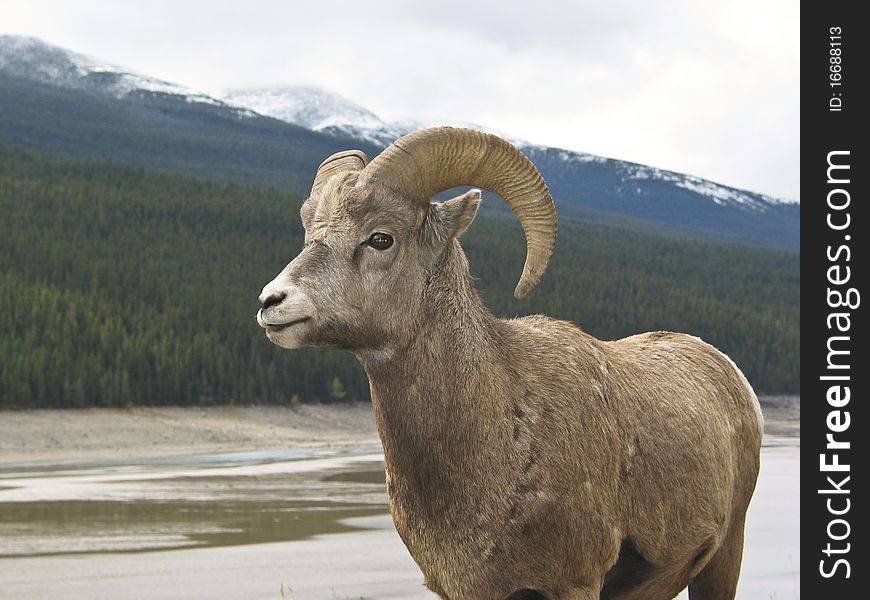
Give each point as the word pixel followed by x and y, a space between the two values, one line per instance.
pixel 273 299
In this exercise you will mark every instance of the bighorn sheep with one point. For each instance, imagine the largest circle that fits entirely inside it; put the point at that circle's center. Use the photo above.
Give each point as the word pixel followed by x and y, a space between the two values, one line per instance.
pixel 524 458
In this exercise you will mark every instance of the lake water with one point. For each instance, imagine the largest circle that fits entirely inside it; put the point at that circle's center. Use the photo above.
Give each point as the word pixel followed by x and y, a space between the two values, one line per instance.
pixel 284 524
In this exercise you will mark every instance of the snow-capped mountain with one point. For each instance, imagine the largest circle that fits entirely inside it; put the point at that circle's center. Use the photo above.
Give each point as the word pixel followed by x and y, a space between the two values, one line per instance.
pixel 32 58
pixel 58 101
pixel 720 194
pixel 321 110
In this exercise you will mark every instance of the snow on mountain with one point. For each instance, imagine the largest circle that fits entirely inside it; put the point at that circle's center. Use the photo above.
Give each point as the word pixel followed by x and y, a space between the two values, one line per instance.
pixel 318 110
pixel 324 111
pixel 34 59
pixel 720 194
pixel 321 110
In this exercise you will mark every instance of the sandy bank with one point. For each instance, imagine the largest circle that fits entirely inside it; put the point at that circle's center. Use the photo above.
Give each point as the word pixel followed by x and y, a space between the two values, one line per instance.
pixel 100 433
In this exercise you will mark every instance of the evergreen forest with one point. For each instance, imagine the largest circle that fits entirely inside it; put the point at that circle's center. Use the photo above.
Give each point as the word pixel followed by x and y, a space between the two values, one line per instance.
pixel 121 286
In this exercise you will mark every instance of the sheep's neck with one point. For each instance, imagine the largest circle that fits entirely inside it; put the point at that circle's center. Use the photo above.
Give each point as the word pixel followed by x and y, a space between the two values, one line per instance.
pixel 433 401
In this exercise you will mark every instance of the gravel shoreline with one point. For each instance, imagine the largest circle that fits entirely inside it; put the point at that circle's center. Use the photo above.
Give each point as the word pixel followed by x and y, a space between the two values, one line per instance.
pixel 104 433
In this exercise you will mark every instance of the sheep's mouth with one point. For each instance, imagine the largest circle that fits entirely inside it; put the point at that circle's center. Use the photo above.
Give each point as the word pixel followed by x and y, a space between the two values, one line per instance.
pixel 283 326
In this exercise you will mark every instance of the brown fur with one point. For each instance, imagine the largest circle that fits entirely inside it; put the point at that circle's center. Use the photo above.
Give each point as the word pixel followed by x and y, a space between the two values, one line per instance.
pixel 524 457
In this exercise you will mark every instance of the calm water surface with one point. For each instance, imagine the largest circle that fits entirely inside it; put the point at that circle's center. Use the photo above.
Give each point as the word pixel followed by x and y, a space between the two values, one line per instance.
pixel 184 502
pixel 263 525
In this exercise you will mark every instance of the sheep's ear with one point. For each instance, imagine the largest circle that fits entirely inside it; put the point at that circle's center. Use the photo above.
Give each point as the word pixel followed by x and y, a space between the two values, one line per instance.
pixel 307 212
pixel 452 218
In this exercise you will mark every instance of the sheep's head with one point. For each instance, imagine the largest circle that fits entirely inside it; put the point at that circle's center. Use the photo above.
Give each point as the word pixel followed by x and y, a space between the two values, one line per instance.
pixel 373 237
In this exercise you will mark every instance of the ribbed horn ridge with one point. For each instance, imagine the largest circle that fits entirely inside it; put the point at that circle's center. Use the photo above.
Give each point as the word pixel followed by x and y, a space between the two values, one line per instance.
pixel 340 162
pixel 427 162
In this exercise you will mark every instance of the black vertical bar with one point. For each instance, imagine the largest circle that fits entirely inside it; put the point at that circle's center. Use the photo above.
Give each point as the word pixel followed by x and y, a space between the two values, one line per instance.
pixel 833 224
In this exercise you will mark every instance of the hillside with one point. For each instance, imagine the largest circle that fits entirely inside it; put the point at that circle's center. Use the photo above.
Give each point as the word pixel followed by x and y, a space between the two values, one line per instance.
pixel 121 286
pixel 157 131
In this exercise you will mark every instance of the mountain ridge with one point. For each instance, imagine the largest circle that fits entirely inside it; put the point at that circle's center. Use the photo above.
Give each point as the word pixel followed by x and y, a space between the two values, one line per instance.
pixel 320 109
pixel 35 59
pixel 687 203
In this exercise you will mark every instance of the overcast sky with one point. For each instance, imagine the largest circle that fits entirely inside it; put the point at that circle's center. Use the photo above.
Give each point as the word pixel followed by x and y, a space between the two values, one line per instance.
pixel 706 87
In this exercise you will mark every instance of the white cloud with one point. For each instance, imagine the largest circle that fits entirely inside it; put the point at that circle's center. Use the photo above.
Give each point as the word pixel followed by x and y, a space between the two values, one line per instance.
pixel 703 87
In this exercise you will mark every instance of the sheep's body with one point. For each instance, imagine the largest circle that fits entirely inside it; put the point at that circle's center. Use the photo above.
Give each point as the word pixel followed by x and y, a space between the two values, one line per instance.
pixel 525 454
pixel 525 458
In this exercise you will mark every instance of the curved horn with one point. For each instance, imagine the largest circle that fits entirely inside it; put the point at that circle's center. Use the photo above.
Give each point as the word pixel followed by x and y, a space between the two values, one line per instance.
pixel 340 162
pixel 427 162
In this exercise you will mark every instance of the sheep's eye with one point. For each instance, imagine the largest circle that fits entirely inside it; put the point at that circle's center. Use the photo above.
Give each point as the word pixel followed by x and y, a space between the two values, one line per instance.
pixel 380 241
